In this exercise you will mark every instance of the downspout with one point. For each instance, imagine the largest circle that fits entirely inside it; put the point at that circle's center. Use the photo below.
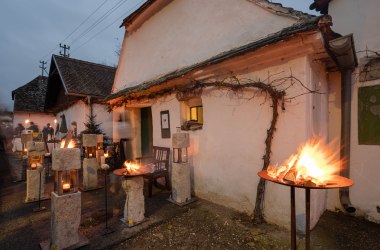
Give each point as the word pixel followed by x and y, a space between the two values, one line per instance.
pixel 343 52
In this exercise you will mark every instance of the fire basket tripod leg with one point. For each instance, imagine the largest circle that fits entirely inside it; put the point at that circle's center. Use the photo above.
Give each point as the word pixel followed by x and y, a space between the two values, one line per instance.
pixel 307 243
pixel 293 218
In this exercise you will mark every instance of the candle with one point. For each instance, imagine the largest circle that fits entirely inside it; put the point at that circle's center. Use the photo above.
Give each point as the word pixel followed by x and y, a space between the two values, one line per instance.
pixel 105 155
pixel 33 165
pixel 102 160
pixel 66 186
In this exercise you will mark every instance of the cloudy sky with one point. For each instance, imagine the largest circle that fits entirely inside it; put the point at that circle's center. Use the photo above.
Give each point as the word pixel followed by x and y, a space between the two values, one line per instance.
pixel 31 31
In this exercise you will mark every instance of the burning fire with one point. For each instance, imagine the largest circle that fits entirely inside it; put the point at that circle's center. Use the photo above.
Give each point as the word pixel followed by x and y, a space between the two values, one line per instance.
pixel 313 165
pixel 132 167
pixel 70 145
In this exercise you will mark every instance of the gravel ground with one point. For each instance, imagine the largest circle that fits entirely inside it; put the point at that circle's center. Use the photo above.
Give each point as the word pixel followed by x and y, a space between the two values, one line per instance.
pixel 200 225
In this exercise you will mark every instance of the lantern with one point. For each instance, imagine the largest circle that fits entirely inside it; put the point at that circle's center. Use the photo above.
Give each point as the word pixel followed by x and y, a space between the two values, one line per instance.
pixel 66 181
pixel 66 163
pixel 90 144
pixel 180 143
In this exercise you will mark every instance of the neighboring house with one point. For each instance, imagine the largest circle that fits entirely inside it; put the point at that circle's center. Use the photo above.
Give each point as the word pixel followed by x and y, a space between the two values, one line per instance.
pixel 29 104
pixel 169 45
pixel 76 87
pixel 362 19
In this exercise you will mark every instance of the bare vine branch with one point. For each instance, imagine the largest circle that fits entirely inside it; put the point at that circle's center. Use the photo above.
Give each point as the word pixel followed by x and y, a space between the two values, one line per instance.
pixel 271 91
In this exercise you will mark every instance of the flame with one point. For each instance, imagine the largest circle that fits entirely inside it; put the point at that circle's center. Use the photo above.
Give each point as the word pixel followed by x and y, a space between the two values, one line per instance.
pixel 70 145
pixel 132 167
pixel 106 154
pixel 314 162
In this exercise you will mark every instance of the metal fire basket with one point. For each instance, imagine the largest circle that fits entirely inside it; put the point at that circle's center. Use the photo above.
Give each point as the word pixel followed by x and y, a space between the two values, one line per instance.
pixel 336 182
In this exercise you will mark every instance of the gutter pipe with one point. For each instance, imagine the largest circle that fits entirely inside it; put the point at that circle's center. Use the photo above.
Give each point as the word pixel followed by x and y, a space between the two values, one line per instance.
pixel 343 52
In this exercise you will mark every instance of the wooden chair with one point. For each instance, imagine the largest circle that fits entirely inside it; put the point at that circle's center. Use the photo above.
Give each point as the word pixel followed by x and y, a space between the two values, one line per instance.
pixel 160 164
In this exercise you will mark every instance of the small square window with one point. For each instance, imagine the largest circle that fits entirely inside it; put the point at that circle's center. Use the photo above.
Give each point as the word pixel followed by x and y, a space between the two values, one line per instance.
pixel 196 114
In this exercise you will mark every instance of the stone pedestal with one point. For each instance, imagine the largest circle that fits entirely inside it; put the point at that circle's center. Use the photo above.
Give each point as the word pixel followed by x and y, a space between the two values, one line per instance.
pixel 134 204
pixel 181 187
pixel 65 219
pixel 90 173
pixel 32 185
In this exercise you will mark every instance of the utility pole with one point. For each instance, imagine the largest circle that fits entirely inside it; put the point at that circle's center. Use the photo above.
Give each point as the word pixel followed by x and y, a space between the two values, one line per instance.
pixel 43 67
pixel 64 47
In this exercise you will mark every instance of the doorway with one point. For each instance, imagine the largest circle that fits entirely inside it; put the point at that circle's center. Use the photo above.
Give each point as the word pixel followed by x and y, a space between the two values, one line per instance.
pixel 146 132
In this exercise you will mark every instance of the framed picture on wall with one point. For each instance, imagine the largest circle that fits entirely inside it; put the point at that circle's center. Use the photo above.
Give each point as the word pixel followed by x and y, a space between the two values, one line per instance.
pixel 165 124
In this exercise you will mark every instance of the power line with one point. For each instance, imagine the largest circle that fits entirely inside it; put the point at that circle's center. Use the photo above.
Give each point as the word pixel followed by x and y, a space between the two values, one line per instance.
pixel 99 20
pixel 85 20
pixel 117 19
pixel 56 47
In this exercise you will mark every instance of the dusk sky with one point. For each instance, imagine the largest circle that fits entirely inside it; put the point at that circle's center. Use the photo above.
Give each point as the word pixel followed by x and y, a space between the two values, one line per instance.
pixel 32 30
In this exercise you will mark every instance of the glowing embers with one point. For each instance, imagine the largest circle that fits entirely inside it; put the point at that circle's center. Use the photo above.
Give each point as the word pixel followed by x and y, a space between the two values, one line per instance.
pixel 132 168
pixel 69 144
pixel 315 164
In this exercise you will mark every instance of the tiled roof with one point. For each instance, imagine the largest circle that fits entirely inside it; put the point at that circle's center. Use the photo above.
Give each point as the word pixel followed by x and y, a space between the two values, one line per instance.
pixel 84 78
pixel 31 96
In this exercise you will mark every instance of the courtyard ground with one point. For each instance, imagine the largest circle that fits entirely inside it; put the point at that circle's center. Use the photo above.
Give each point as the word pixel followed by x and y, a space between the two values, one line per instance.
pixel 200 225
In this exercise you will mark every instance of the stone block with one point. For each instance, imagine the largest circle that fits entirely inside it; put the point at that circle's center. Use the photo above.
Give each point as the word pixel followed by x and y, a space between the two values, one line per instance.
pixel 99 138
pixel 134 208
pixel 181 140
pixel 32 184
pixel 90 140
pixel 65 159
pixel 181 186
pixel 90 173
pixel 65 219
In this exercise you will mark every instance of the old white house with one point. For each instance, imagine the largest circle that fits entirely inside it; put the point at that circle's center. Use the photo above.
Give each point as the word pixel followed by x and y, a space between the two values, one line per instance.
pixel 75 88
pixel 171 47
pixel 29 104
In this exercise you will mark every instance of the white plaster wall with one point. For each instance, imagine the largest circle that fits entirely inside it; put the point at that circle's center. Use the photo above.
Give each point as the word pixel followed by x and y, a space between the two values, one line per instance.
pixel 39 119
pixel 227 152
pixel 365 166
pixel 79 112
pixel 361 19
pixel 189 31
pixel 104 118
pixel 121 124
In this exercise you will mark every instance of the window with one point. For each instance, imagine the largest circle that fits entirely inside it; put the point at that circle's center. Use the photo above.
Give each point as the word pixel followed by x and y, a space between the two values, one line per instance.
pixel 196 114
pixel 192 114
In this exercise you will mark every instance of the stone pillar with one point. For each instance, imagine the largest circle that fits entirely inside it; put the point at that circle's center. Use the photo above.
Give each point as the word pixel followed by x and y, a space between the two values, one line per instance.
pixel 181 187
pixel 134 204
pixel 65 219
pixel 90 173
pixel 33 184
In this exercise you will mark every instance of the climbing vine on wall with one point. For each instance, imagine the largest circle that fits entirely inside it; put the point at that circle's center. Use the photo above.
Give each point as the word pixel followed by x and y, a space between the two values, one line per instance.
pixel 274 90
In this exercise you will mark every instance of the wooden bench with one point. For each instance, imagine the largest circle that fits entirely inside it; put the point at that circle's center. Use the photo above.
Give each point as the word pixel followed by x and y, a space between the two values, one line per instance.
pixel 160 164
